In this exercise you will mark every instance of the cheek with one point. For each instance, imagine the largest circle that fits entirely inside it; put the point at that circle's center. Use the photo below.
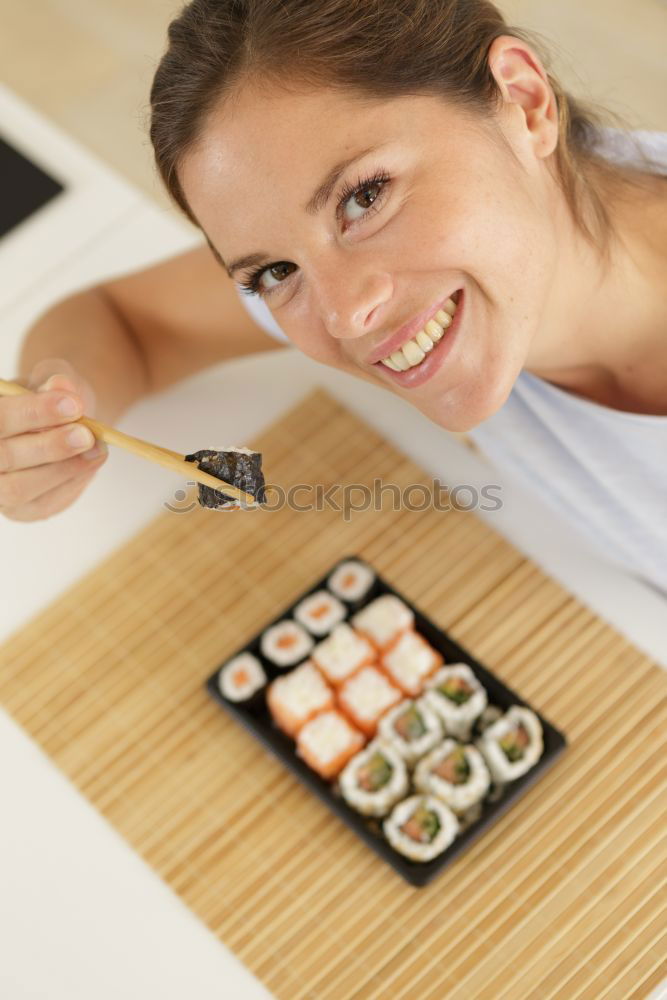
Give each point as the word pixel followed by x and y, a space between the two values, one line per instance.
pixel 492 225
pixel 315 343
pixel 306 332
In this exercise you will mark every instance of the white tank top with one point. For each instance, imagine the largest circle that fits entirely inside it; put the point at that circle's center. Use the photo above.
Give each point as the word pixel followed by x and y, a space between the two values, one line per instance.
pixel 604 469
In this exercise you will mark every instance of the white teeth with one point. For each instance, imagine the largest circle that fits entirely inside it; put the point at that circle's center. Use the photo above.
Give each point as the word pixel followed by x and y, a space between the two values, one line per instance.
pixel 424 341
pixel 434 330
pixel 400 361
pixel 415 350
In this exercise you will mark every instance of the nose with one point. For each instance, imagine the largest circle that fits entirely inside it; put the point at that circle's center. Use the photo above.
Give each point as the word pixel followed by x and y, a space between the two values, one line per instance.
pixel 351 303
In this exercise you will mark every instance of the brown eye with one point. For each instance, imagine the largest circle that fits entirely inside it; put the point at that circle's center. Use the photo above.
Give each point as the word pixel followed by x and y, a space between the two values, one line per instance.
pixel 364 195
pixel 367 195
pixel 277 272
pixel 277 268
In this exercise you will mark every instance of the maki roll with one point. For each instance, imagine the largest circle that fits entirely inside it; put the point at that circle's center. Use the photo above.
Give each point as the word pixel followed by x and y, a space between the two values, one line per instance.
pixel 420 827
pixel 239 467
pixel 383 620
pixel 285 643
pixel 297 697
pixel 365 696
pixel 458 698
pixel 456 773
pixel 241 677
pixel 343 653
pixel 412 727
pixel 319 612
pixel 327 742
pixel 490 715
pixel 512 744
pixel 409 661
pixel 351 580
pixel 374 780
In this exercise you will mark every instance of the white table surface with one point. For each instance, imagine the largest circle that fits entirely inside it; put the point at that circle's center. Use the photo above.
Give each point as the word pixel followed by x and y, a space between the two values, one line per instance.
pixel 81 915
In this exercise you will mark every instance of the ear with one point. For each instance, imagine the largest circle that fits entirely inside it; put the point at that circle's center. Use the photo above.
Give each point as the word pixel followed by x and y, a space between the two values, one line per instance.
pixel 523 81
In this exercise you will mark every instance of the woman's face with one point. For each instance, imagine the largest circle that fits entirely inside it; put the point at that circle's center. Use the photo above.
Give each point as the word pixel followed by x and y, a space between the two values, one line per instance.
pixel 450 211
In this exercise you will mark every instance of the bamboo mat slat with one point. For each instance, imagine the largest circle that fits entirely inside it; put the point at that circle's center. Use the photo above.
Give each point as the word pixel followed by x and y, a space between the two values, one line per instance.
pixel 563 898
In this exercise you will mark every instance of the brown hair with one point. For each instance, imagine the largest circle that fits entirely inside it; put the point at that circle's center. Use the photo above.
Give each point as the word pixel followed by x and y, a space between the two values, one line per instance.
pixel 376 49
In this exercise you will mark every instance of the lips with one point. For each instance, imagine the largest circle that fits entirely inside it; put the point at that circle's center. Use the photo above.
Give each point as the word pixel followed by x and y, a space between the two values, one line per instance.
pixel 391 344
pixel 427 368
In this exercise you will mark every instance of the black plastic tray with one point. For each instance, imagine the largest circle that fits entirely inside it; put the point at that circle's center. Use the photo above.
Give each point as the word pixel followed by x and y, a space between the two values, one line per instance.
pixel 255 716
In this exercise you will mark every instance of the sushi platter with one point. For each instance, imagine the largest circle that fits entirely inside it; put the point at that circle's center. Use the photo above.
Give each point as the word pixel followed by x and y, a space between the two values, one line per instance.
pixel 559 897
pixel 408 738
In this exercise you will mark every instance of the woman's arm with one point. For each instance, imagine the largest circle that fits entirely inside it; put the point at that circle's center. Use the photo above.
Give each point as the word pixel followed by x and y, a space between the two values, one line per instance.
pixel 143 332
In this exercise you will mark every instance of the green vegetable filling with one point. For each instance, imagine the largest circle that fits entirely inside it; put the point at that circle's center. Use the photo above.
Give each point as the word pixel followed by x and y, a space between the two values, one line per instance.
pixel 514 743
pixel 410 725
pixel 375 773
pixel 457 690
pixel 423 825
pixel 455 767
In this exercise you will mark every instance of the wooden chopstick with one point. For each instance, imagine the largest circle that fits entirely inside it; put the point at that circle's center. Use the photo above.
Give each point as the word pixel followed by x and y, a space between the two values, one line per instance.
pixel 144 449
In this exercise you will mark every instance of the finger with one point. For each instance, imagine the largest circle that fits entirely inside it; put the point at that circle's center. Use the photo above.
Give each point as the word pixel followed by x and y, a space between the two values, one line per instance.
pixel 32 411
pixel 74 385
pixel 53 501
pixel 23 451
pixel 22 487
pixel 44 369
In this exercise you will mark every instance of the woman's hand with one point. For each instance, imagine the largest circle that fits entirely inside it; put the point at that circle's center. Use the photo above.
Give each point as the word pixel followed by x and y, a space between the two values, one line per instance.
pixel 42 468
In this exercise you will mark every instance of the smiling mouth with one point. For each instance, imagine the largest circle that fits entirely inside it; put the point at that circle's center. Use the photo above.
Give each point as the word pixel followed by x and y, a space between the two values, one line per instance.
pixel 413 352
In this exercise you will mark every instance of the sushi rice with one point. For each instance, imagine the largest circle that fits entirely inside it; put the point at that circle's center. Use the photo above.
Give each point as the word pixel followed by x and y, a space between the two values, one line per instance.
pixel 463 705
pixel 409 661
pixel 436 820
pixel 286 643
pixel 419 728
pixel 383 620
pixel 512 744
pixel 327 742
pixel 374 780
pixel 297 696
pixel 351 580
pixel 469 781
pixel 365 696
pixel 319 612
pixel 342 653
pixel 241 677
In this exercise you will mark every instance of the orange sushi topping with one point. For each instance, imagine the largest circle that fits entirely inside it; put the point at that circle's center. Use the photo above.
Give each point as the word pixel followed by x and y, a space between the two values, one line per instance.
pixel 285 641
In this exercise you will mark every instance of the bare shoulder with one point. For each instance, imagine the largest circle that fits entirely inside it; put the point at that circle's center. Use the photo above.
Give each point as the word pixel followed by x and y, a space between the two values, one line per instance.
pixel 186 314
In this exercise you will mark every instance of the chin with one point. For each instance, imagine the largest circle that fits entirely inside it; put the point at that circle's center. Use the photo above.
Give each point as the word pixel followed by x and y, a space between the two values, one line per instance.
pixel 462 409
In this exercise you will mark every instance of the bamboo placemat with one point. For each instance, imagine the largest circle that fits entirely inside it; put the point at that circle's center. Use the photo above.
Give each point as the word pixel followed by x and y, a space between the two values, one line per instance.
pixel 563 897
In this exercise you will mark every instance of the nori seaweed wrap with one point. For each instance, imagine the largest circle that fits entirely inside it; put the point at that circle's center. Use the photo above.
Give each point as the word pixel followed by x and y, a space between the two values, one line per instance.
pixel 239 467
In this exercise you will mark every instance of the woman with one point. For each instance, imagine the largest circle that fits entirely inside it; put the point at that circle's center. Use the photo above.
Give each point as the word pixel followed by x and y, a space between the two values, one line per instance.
pixel 419 203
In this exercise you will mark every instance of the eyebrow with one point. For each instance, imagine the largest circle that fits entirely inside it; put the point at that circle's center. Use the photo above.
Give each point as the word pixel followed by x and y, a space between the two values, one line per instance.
pixel 312 207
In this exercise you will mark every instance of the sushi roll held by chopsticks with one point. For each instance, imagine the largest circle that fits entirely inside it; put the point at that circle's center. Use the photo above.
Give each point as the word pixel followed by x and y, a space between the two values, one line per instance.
pixel 239 467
